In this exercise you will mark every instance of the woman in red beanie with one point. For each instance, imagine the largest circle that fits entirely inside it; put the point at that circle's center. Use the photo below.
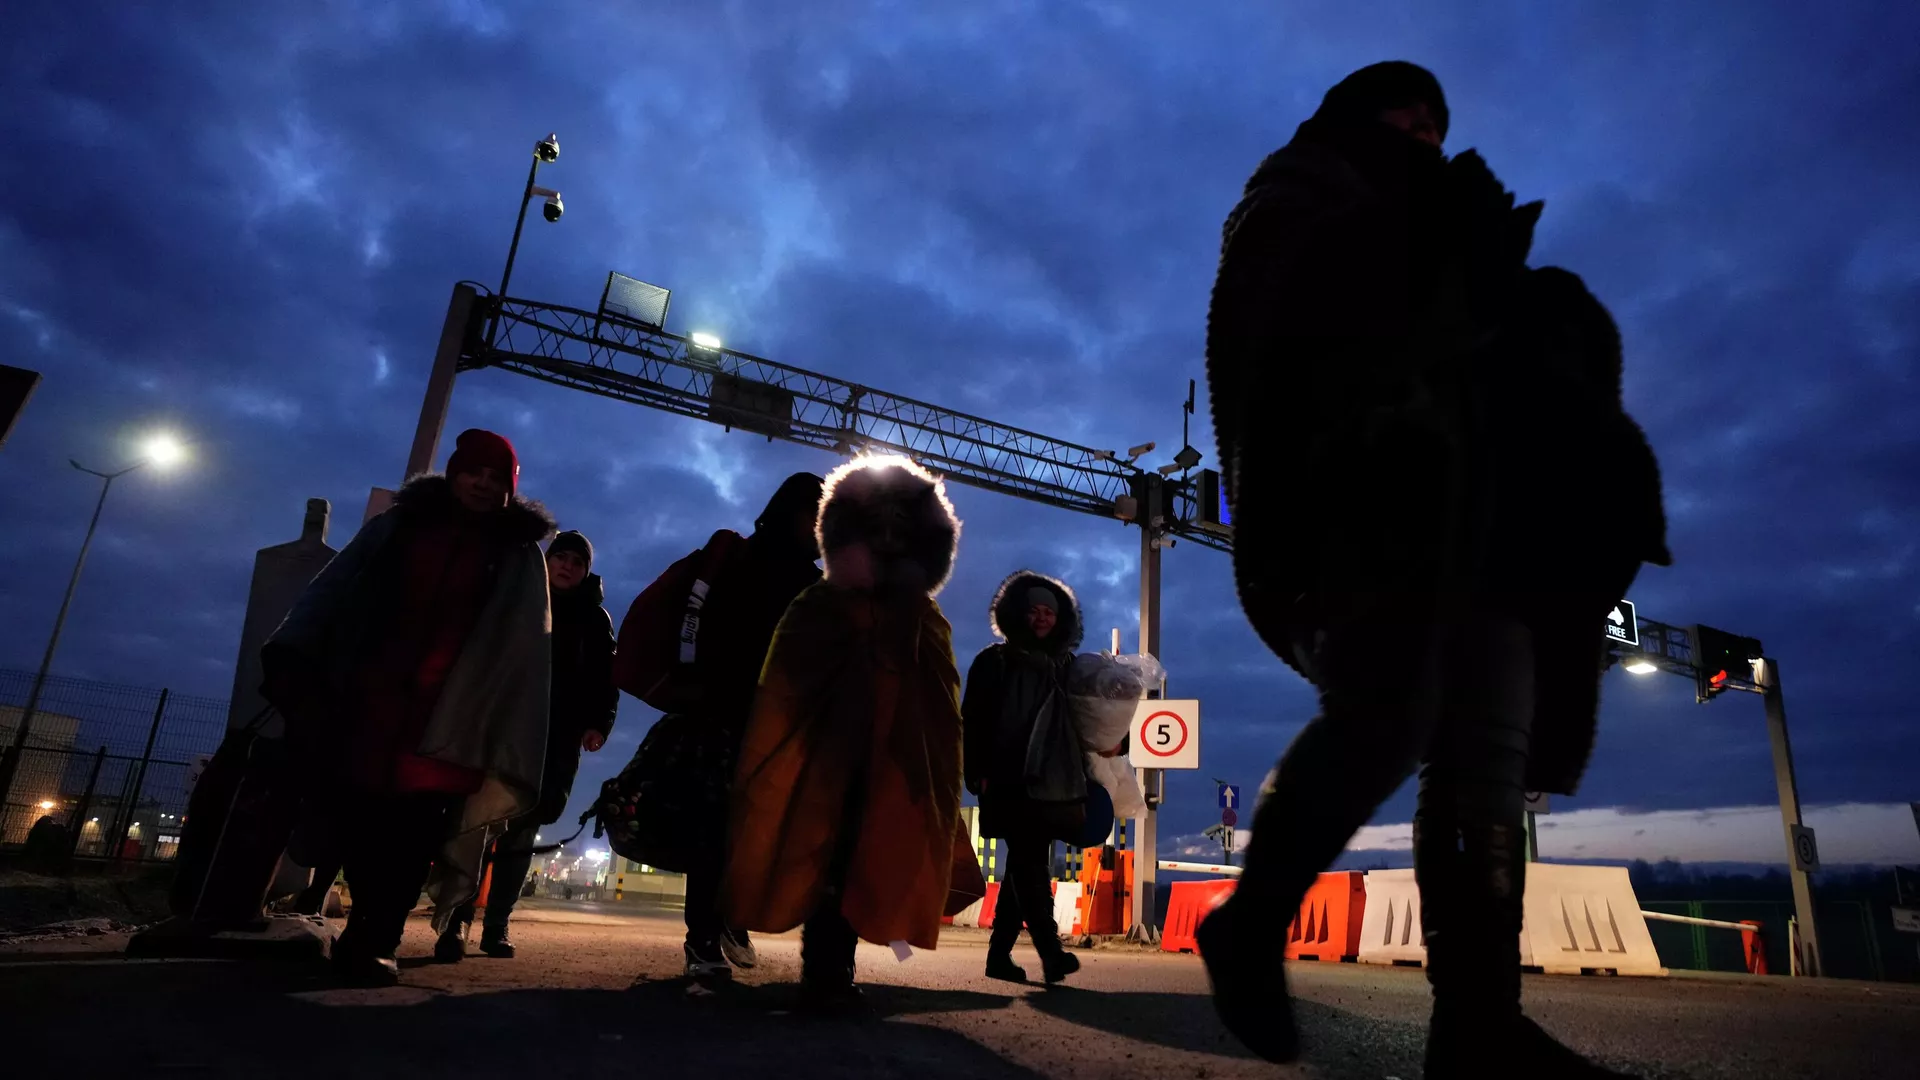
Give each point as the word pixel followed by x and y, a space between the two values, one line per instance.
pixel 413 674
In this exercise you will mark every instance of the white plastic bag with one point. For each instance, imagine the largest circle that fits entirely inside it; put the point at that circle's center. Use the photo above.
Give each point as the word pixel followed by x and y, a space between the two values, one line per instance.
pixel 1102 693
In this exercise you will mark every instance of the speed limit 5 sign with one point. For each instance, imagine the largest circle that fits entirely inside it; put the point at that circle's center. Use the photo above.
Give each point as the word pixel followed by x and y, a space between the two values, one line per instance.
pixel 1166 735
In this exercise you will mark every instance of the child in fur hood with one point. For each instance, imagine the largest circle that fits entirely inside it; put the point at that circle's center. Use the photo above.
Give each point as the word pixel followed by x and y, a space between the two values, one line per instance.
pixel 847 792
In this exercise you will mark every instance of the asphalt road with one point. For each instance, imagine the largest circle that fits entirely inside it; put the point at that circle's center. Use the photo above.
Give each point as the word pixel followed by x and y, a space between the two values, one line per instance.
pixel 595 991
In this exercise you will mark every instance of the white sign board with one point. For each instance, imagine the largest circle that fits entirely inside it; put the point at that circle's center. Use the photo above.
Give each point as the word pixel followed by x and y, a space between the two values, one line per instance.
pixel 1165 735
pixel 1906 920
pixel 1537 802
pixel 1806 854
pixel 1623 625
pixel 194 770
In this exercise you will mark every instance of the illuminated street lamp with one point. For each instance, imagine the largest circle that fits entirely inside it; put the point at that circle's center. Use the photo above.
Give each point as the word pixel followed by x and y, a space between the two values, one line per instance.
pixel 1640 666
pixel 162 450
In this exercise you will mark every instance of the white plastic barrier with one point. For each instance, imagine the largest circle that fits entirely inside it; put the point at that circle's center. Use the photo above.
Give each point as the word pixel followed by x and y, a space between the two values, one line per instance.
pixel 970 916
pixel 1585 918
pixel 1066 906
pixel 1577 919
pixel 1390 925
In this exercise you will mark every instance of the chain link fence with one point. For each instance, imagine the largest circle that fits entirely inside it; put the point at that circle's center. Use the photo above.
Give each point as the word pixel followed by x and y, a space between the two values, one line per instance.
pixel 110 764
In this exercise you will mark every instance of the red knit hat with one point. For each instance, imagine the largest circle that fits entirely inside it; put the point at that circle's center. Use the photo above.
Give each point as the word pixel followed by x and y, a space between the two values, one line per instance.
pixel 476 448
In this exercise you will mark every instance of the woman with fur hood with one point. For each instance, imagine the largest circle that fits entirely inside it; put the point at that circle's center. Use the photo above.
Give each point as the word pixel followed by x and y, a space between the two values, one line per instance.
pixel 846 798
pixel 1024 759
pixel 413 676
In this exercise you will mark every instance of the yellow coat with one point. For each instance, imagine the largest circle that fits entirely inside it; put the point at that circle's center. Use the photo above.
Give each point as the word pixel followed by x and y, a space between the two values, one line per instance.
pixel 851 759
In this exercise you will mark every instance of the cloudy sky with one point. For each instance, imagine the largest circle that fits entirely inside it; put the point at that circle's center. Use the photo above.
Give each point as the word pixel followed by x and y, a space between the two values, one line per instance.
pixel 244 224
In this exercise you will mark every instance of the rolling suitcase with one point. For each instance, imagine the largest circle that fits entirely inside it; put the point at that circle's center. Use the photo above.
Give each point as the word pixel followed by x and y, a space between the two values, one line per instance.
pixel 240 816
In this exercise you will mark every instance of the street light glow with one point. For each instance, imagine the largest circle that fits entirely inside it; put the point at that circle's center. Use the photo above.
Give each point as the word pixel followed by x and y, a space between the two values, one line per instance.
pixel 1640 667
pixel 46 804
pixel 163 450
pixel 704 339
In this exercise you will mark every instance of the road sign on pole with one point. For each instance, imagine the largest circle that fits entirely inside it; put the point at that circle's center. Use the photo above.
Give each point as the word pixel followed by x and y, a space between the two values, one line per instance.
pixel 1166 734
pixel 1623 625
pixel 1537 802
pixel 1229 796
pixel 1229 817
pixel 1806 853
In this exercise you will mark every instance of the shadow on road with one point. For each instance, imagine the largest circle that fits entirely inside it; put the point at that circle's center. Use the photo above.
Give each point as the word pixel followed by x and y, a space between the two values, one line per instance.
pixel 1188 1022
pixel 239 1020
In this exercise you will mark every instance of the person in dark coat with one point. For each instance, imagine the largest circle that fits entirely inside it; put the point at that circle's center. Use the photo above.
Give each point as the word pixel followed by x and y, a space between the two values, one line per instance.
pixel 737 621
pixel 1024 760
pixel 584 702
pixel 1437 497
pixel 412 673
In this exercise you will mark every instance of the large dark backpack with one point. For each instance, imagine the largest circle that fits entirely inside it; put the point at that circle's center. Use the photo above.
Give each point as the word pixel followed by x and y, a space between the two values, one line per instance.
pixel 659 643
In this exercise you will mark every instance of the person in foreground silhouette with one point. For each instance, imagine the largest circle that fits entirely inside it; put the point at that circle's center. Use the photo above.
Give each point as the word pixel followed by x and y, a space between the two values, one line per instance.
pixel 1437 498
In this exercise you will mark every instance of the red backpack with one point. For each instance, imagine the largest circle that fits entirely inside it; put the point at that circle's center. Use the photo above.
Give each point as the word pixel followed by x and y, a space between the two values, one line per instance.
pixel 660 636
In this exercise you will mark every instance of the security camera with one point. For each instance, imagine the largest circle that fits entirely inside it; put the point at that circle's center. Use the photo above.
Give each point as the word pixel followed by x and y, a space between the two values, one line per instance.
pixel 547 149
pixel 553 209
pixel 1140 451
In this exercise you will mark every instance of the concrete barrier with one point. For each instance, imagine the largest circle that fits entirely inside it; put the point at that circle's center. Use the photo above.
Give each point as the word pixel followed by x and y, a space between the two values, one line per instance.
pixel 1390 924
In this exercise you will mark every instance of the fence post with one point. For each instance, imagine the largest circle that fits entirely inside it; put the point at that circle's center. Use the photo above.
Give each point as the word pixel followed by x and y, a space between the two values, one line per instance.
pixel 1699 934
pixel 140 776
pixel 86 803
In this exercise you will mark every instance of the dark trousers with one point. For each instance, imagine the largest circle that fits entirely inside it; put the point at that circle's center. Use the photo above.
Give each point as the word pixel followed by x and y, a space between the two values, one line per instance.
pixel 1397 691
pixel 389 843
pixel 1026 897
pixel 704 922
pixel 510 858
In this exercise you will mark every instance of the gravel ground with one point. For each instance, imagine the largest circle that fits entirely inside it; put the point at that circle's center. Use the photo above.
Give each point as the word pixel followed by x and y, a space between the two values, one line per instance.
pixel 595 989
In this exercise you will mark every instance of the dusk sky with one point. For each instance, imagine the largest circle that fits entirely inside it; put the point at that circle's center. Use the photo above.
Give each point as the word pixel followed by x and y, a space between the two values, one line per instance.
pixel 243 226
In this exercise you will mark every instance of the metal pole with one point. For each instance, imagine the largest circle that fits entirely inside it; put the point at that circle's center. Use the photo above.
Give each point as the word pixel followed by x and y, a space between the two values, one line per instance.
pixel 1145 848
pixel 1768 673
pixel 1533 837
pixel 513 249
pixel 86 803
pixel 446 364
pixel 10 761
pixel 140 774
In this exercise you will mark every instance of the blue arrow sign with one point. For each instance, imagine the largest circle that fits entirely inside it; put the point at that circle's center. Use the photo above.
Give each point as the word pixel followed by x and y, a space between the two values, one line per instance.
pixel 1229 796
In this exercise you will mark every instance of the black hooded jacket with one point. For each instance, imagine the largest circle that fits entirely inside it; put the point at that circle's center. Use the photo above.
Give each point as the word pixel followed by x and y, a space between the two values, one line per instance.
pixel 1403 406
pixel 583 695
pixel 1021 745
pixel 744 604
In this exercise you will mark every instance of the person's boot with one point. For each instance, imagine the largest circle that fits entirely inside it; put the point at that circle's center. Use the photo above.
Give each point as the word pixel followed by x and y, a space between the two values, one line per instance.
pixel 357 967
pixel 451 946
pixel 1057 965
pixel 495 942
pixel 1000 966
pixel 827 945
pixel 1246 966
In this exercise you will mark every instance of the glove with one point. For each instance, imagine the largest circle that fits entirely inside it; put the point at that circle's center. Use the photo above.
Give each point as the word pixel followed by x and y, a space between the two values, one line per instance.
pixel 1490 236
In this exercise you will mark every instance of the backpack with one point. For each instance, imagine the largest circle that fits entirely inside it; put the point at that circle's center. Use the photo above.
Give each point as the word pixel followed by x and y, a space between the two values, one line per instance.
pixel 654 659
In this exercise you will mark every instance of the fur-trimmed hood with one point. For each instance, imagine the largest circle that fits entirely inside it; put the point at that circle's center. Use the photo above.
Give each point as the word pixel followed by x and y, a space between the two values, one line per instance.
pixel 1007 614
pixel 886 524
pixel 429 497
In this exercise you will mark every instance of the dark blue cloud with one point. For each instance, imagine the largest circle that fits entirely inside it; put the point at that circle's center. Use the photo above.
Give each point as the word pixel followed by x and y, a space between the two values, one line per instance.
pixel 245 225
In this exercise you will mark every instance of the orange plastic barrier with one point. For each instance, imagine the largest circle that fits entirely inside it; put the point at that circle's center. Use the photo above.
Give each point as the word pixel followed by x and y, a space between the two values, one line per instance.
pixel 1106 892
pixel 1188 903
pixel 988 903
pixel 1754 944
pixel 1328 924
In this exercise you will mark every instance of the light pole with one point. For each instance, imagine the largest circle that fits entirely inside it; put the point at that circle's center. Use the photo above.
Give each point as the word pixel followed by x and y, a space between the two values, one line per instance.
pixel 160 450
pixel 453 334
pixel 546 151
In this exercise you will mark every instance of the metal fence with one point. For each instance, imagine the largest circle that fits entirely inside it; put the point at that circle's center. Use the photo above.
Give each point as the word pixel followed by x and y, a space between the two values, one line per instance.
pixel 113 764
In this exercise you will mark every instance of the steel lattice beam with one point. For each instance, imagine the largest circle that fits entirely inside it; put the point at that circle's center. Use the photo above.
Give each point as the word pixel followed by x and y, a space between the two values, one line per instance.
pixel 621 359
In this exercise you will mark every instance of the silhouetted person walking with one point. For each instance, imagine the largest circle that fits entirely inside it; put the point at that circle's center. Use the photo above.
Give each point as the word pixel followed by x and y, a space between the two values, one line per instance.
pixel 1437 497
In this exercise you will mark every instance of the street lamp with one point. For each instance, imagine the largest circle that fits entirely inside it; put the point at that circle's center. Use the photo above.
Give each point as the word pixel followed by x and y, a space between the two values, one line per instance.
pixel 1640 666
pixel 546 151
pixel 161 450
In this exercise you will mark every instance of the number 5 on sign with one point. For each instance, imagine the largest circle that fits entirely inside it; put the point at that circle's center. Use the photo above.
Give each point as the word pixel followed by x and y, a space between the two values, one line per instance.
pixel 1166 735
